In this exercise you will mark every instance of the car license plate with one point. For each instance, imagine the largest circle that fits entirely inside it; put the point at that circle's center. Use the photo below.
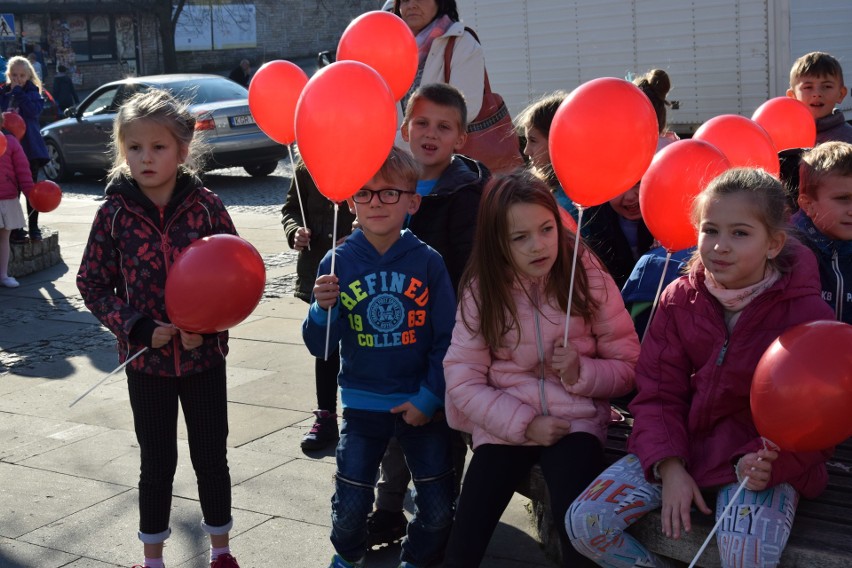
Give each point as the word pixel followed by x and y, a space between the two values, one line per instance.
pixel 241 120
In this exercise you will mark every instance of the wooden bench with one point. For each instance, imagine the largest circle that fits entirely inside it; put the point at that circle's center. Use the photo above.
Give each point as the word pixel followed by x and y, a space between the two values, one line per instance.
pixel 822 531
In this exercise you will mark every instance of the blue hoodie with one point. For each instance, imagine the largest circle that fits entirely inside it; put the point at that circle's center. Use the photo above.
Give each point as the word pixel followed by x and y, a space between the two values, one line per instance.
pixel 394 320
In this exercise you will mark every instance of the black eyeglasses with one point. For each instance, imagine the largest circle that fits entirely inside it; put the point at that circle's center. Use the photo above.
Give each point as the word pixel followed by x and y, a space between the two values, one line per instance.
pixel 387 196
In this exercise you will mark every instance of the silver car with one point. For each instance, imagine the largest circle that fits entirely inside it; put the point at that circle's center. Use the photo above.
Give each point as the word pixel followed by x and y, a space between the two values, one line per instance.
pixel 80 142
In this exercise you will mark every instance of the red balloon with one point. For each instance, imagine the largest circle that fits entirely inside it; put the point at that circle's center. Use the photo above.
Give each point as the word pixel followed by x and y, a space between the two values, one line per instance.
pixel 385 43
pixel 3 144
pixel 45 196
pixel 345 127
pixel 788 122
pixel 678 173
pixel 602 139
pixel 802 387
pixel 272 96
pixel 14 124
pixel 214 284
pixel 743 141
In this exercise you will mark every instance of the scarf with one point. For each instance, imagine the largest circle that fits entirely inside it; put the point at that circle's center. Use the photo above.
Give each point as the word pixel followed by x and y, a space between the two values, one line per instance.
pixel 737 300
pixel 424 39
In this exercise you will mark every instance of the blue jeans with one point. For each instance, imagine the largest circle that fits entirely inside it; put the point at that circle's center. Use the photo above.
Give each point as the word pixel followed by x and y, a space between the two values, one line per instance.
pixel 363 439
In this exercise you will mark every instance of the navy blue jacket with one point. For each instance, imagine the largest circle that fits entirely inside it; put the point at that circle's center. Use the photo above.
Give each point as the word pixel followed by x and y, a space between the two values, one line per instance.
pixel 835 266
pixel 27 102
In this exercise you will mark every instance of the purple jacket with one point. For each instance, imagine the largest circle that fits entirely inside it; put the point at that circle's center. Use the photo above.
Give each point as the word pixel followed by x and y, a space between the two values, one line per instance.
pixel 694 379
pixel 122 277
pixel 14 170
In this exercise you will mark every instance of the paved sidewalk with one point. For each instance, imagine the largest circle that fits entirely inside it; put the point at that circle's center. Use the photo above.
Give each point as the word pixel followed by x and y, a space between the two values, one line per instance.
pixel 68 475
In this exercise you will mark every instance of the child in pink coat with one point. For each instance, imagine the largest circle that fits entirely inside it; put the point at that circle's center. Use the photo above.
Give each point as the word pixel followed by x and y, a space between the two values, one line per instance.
pixel 524 397
pixel 14 176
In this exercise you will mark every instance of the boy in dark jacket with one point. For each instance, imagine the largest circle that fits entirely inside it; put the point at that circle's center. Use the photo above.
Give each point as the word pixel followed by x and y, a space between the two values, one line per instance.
pixel 825 218
pixel 63 90
pixel 392 309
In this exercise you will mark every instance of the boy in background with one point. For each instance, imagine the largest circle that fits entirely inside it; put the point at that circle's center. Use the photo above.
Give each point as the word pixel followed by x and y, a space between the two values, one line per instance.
pixel 825 218
pixel 435 128
pixel 393 312
pixel 816 80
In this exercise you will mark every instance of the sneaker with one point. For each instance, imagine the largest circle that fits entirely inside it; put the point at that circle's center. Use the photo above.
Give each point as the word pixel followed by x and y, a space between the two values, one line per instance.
pixel 337 561
pixel 225 561
pixel 323 433
pixel 35 235
pixel 18 237
pixel 9 282
pixel 385 527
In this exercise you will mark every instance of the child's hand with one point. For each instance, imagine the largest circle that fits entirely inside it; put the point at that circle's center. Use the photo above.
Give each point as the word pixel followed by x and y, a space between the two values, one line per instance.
pixel 411 414
pixel 326 291
pixel 566 363
pixel 547 430
pixel 163 333
pixel 302 238
pixel 679 492
pixel 190 340
pixel 758 468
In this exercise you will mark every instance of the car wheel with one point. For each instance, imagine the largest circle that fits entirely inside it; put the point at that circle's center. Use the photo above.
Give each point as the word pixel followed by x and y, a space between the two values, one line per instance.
pixel 55 169
pixel 261 170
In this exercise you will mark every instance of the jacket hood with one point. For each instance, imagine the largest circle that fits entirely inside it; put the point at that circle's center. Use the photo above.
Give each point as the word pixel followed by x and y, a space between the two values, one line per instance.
pixel 365 252
pixel 463 172
pixel 126 187
pixel 820 240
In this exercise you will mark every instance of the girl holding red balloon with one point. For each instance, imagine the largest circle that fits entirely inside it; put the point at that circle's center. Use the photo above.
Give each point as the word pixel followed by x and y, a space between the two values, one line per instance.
pixel 22 95
pixel 14 177
pixel 155 208
pixel 693 432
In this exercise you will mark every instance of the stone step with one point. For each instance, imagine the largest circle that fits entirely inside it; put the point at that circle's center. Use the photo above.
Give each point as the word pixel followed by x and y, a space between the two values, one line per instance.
pixel 34 256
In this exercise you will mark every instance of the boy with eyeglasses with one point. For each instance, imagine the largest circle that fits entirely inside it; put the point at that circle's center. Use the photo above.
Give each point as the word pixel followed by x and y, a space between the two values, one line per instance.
pixel 391 307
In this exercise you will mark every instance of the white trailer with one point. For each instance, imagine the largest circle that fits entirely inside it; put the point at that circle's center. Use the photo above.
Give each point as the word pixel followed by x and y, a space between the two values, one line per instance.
pixel 723 56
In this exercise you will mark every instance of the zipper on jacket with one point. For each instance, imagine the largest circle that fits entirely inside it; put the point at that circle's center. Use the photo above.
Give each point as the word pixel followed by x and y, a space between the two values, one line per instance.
pixel 542 394
pixel 838 292
pixel 724 350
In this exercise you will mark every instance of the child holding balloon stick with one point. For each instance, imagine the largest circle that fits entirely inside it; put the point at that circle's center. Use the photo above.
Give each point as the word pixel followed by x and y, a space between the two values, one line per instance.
pixel 391 309
pixel 525 393
pixel 155 208
pixel 14 177
pixel 693 429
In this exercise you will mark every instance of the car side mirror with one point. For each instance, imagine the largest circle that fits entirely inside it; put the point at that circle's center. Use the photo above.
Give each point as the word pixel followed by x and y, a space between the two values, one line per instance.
pixel 69 112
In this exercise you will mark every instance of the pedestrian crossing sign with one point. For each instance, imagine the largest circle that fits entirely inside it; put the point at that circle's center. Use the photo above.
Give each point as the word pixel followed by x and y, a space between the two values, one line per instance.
pixel 7 26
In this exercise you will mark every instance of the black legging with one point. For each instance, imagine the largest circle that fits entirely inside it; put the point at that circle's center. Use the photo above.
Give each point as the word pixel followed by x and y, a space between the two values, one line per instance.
pixel 325 376
pixel 492 476
pixel 154 401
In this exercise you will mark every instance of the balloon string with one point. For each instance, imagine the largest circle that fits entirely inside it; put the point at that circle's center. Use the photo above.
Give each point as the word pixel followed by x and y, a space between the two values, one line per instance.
pixel 573 269
pixel 657 295
pixel 108 375
pixel 727 508
pixel 333 255
pixel 298 191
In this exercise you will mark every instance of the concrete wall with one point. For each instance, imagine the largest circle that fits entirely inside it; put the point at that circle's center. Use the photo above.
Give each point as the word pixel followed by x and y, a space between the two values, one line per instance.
pixel 285 30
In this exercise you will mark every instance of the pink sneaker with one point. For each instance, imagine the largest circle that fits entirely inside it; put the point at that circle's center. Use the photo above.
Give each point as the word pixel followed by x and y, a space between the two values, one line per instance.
pixel 225 561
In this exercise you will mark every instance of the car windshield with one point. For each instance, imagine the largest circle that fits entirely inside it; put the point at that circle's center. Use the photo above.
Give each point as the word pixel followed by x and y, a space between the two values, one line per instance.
pixel 199 91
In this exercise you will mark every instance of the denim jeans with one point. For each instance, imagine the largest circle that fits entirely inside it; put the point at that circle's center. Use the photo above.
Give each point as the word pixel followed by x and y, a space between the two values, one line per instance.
pixel 363 439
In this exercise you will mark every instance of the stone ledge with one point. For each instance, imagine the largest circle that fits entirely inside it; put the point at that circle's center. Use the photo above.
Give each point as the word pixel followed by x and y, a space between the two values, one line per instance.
pixel 32 257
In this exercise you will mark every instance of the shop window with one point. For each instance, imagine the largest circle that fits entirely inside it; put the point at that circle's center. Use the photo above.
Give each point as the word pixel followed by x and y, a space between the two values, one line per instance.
pixel 92 37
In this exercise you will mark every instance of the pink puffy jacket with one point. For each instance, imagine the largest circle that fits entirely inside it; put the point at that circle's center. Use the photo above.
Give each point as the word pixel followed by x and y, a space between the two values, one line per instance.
pixel 495 395
pixel 14 170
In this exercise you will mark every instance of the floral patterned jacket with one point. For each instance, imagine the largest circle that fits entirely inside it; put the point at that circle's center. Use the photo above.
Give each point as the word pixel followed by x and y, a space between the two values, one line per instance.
pixel 122 277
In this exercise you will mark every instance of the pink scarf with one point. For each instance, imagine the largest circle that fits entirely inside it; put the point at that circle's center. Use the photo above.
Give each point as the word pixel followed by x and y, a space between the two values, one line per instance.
pixel 436 28
pixel 736 300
